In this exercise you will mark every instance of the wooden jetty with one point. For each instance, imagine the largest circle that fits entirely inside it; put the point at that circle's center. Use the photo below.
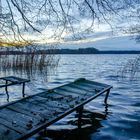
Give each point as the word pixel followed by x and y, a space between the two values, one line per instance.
pixel 23 118
pixel 12 80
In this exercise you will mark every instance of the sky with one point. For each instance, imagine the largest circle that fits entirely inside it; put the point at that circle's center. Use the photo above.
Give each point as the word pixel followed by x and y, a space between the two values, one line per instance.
pixel 101 37
pixel 110 43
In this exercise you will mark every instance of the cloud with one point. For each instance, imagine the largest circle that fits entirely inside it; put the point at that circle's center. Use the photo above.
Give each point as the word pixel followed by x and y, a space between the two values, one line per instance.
pixel 110 43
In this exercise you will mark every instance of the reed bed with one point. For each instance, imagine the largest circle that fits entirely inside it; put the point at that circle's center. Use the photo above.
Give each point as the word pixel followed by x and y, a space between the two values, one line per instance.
pixel 29 61
pixel 131 70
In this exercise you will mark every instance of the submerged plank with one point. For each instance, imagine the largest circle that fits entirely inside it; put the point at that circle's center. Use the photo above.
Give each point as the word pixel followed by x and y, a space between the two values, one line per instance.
pixel 8 134
pixel 29 107
pixel 65 91
pixel 96 83
pixel 36 111
pixel 9 125
pixel 88 85
pixel 14 118
pixel 23 111
pixel 91 90
pixel 65 103
pixel 75 90
pixel 49 105
pixel 18 119
pixel 31 114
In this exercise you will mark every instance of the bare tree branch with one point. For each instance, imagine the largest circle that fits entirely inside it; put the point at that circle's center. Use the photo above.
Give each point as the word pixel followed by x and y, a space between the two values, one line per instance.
pixel 19 17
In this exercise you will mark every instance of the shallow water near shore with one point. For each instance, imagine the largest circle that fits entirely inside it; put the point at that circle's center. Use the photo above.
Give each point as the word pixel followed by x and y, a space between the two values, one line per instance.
pixel 120 119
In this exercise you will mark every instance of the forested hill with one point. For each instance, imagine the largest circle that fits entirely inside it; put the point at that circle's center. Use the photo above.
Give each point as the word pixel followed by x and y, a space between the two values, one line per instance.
pixel 77 51
pixel 91 51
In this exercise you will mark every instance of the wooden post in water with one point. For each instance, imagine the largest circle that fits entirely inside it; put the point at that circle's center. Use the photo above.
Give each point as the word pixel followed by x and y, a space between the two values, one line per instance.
pixel 23 90
pixel 7 90
pixel 106 97
pixel 80 111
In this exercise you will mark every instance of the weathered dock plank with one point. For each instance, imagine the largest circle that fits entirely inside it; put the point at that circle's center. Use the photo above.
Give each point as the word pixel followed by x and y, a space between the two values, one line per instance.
pixel 50 105
pixel 88 87
pixel 8 134
pixel 31 108
pixel 31 114
pixel 16 119
pixel 64 91
pixel 76 90
pixel 11 126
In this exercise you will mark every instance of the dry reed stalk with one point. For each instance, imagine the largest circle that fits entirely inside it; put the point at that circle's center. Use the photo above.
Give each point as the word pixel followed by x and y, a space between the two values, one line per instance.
pixel 27 60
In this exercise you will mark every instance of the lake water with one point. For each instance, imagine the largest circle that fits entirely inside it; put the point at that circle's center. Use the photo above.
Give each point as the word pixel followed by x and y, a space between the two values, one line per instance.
pixel 120 120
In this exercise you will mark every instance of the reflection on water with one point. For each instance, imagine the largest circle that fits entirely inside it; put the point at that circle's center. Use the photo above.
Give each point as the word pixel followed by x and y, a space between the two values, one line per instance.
pixel 90 122
pixel 37 72
pixel 120 120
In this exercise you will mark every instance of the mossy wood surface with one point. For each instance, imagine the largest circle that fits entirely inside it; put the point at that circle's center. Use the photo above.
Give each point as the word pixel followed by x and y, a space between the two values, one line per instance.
pixel 25 117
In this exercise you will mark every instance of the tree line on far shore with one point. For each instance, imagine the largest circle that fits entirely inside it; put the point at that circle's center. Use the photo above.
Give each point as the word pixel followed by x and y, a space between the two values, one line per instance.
pixel 89 50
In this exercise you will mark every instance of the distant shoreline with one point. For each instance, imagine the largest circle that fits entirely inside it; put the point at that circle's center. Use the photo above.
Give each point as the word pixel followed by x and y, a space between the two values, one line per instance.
pixel 71 51
pixel 92 51
pixel 103 52
pixel 119 52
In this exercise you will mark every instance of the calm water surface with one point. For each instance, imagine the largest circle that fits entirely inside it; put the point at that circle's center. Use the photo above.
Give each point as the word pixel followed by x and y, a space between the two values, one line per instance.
pixel 120 120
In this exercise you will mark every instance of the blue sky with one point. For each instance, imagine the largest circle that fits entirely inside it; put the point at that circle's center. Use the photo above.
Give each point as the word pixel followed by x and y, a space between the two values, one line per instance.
pixel 112 43
pixel 103 38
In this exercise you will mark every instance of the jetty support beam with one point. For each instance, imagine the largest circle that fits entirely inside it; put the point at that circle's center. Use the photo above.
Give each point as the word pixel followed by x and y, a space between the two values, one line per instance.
pixel 106 97
pixel 23 90
pixel 80 112
pixel 6 90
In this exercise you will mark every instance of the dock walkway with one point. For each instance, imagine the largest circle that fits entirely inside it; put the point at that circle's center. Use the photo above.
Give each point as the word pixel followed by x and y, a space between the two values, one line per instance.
pixel 23 118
